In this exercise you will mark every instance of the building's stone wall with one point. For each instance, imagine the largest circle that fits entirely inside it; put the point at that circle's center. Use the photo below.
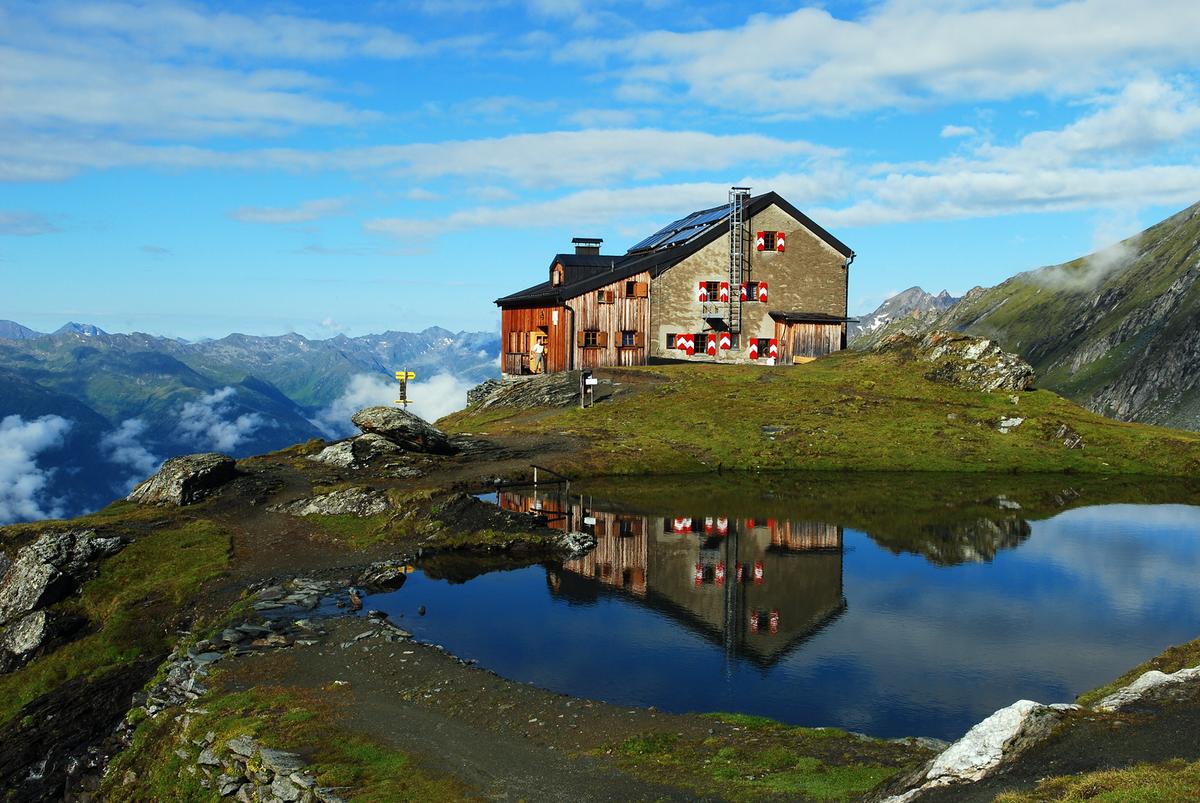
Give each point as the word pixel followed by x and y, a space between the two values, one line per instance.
pixel 809 276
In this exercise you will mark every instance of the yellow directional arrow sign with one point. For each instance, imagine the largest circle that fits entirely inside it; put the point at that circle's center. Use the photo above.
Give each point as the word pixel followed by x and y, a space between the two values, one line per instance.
pixel 405 375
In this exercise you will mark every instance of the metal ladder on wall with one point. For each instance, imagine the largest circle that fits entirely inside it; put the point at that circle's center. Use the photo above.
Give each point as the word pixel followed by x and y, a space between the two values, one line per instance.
pixel 739 254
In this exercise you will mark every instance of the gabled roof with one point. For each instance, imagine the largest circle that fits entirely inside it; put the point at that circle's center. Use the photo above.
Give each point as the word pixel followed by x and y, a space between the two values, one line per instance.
pixel 665 248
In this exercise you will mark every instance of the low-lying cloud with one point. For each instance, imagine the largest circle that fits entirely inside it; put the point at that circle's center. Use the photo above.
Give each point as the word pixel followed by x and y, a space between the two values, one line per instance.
pixel 24 494
pixel 433 398
pixel 1092 271
pixel 210 423
pixel 124 446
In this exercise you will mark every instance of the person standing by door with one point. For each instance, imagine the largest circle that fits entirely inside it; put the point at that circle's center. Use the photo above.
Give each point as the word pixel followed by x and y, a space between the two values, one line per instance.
pixel 539 356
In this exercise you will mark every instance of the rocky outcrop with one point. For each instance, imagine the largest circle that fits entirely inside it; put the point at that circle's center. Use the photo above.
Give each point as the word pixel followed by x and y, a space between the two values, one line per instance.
pixel 544 390
pixel 970 362
pixel 1154 687
pixel 50 569
pixel 185 480
pixel 404 429
pixel 987 747
pixel 360 502
pixel 357 452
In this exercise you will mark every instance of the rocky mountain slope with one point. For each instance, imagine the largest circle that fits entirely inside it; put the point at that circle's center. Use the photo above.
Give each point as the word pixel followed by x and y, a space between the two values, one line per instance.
pixel 1117 331
pixel 913 302
pixel 86 413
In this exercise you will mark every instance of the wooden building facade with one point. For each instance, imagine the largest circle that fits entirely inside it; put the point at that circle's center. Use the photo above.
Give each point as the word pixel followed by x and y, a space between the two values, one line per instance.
pixel 684 294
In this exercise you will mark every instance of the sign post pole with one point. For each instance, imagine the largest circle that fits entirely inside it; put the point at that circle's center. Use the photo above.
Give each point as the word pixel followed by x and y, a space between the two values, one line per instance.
pixel 402 377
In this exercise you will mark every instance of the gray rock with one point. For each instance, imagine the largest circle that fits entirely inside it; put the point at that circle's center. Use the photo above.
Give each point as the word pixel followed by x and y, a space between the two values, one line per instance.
pixel 1009 424
pixel 242 746
pixel 50 569
pixel 284 789
pixel 1154 687
pixel 26 634
pixel 185 480
pixel 209 758
pixel 328 795
pixel 383 574
pixel 559 389
pixel 402 428
pixel 303 781
pixel 963 360
pixel 360 502
pixel 227 785
pixel 577 544
pixel 357 451
pixel 280 761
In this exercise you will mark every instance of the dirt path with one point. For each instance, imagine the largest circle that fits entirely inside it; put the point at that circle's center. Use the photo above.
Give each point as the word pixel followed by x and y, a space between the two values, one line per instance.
pixel 509 741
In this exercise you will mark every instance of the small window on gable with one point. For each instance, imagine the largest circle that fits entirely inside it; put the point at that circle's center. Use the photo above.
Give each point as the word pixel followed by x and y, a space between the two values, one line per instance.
pixel 766 241
pixel 604 296
pixel 556 277
pixel 635 289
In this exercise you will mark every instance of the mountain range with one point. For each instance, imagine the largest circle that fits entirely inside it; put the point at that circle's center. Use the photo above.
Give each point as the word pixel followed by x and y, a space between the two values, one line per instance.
pixel 913 302
pixel 85 413
pixel 1117 331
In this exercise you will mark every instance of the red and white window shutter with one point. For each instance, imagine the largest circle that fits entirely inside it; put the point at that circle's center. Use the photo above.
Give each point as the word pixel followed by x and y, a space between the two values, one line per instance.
pixel 773 353
pixel 724 291
pixel 703 292
pixel 780 238
pixel 753 349
pixel 712 345
pixel 726 341
pixel 745 293
pixel 762 292
pixel 761 241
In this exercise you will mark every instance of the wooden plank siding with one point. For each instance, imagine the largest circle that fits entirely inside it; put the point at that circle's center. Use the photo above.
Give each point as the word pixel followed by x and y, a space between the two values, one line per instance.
pixel 619 312
pixel 807 340
pixel 515 344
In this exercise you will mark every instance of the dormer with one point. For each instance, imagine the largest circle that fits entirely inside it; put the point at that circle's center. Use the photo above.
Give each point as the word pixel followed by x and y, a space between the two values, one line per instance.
pixel 556 274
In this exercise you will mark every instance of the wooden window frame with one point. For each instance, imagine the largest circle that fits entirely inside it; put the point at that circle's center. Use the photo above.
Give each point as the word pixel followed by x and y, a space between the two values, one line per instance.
pixel 752 292
pixel 769 241
pixel 636 336
pixel 636 289
pixel 605 296
pixel 598 339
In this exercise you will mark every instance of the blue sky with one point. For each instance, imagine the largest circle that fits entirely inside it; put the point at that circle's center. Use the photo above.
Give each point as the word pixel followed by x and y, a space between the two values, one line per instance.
pixel 194 169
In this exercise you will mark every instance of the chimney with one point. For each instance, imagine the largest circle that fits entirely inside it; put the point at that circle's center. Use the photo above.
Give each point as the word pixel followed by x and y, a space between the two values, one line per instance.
pixel 587 245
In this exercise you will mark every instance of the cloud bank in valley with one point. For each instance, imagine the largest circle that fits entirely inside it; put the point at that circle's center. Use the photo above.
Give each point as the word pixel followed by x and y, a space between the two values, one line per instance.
pixel 433 398
pixel 124 446
pixel 210 423
pixel 23 483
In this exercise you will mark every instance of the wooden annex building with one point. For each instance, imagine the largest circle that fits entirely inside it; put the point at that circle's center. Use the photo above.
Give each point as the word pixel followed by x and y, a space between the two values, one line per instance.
pixel 754 280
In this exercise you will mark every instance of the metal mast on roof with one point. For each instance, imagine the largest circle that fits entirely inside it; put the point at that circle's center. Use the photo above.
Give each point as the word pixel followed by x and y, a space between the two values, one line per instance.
pixel 739 255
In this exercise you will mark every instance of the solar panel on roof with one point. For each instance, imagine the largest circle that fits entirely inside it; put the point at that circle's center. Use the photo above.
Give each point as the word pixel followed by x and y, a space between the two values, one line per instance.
pixel 681 230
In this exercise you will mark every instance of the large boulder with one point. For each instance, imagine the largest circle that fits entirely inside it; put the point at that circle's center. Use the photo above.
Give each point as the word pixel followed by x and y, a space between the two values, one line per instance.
pixel 50 569
pixel 185 480
pixel 560 389
pixel 360 502
pixel 402 428
pixel 963 360
pixel 356 452
pixel 32 635
pixel 1154 687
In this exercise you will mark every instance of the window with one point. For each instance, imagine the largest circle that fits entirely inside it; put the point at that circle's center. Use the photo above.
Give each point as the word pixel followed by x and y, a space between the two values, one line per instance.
pixel 636 289
pixel 631 339
pixel 604 296
pixel 701 339
pixel 768 241
pixel 713 289
pixel 556 277
pixel 592 339
pixel 734 339
pixel 671 339
pixel 764 347
pixel 751 291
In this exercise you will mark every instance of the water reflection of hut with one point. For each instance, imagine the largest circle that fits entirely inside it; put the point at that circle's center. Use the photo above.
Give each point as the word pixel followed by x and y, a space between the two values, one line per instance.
pixel 758 588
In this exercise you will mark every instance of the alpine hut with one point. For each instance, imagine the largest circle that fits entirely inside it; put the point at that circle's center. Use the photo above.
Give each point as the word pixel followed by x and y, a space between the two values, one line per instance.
pixel 753 280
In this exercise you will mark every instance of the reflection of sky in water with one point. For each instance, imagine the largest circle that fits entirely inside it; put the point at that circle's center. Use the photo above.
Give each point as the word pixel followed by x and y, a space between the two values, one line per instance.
pixel 919 650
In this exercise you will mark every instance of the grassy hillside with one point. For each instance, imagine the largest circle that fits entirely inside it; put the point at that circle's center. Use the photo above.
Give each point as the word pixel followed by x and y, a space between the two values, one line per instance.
pixel 849 411
pixel 1118 331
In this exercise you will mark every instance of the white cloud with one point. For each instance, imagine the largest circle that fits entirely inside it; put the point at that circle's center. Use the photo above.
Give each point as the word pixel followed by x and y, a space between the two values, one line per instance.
pixel 209 422
pixel 951 131
pixel 433 398
pixel 303 213
pixel 1106 258
pixel 25 224
pixel 23 484
pixel 902 54
pixel 123 446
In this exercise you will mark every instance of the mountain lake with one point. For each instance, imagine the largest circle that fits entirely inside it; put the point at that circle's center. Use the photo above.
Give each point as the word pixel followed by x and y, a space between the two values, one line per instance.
pixel 901 612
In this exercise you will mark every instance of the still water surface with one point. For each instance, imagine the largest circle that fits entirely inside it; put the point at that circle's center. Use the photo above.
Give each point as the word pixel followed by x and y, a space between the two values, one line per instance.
pixel 890 617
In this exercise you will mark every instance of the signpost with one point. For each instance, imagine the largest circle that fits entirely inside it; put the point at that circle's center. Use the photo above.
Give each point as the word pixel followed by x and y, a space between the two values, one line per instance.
pixel 402 377
pixel 587 388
